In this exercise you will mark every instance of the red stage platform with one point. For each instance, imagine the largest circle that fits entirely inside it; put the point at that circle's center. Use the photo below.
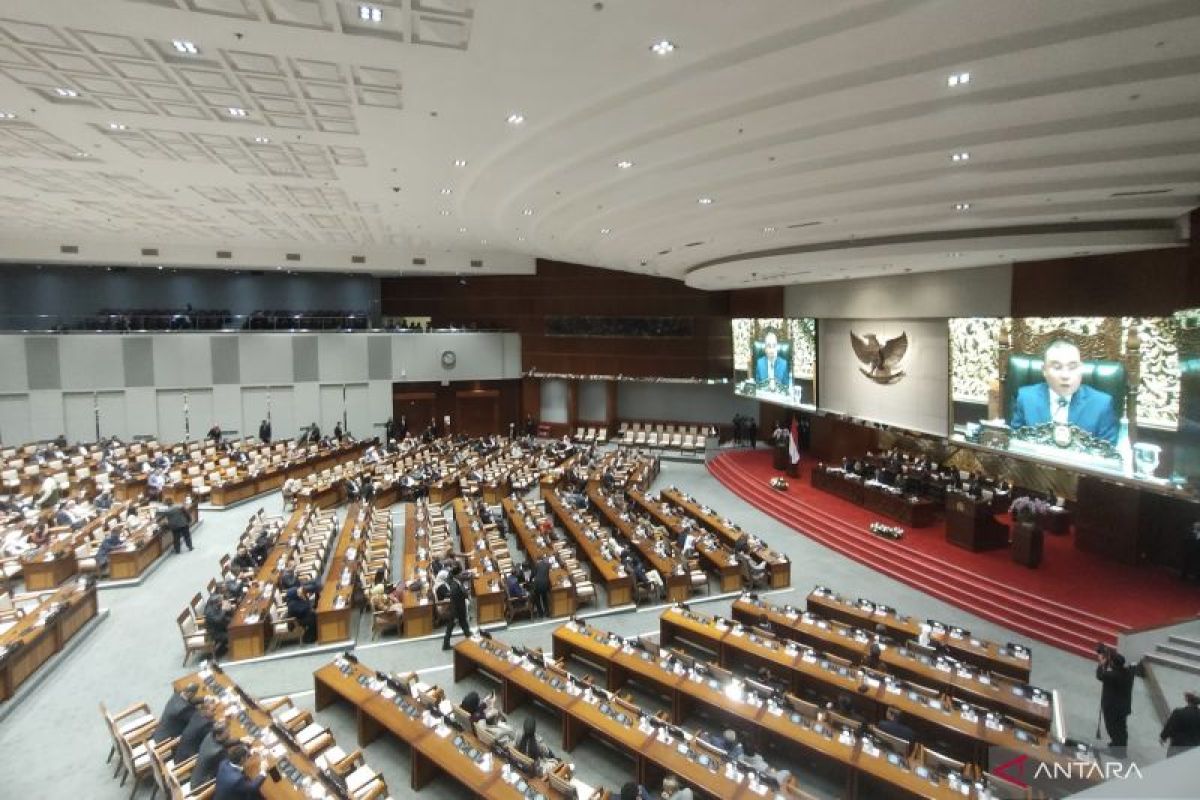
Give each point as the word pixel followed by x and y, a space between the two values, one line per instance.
pixel 1072 601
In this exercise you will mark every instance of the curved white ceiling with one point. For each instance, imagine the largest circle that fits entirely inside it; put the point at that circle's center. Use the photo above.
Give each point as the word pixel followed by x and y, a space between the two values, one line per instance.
pixel 808 124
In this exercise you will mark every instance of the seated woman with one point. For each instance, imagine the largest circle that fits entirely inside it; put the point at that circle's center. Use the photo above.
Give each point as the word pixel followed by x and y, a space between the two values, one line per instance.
pixel 495 725
pixel 533 746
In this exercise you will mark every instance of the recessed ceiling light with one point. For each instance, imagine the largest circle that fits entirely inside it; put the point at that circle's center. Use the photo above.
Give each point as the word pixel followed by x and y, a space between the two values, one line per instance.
pixel 662 47
pixel 962 206
pixel 528 212
pixel 185 47
pixel 81 154
pixel 624 164
pixel 7 115
pixel 520 238
pixel 462 230
pixel 447 190
pixel 960 157
pixel 63 92
pixel 955 254
pixel 516 118
pixel 370 13
pixel 705 201
pixel 958 79
pixel 460 162
pixel 444 212
pixel 483 241
pixel 261 140
pixel 116 126
pixel 769 229
pixel 235 111
pixel 606 231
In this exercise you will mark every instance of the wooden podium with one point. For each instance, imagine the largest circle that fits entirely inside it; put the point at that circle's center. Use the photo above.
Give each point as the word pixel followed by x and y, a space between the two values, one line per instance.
pixel 970 523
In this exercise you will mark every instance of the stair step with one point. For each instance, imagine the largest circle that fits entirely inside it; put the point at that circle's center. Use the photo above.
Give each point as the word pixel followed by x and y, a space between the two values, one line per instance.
pixel 1186 641
pixel 1174 663
pixel 1043 619
pixel 1178 652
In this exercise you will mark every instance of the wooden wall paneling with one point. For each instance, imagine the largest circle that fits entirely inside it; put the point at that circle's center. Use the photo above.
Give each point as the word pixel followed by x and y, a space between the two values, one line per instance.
pixel 1108 519
pixel 531 399
pixel 477 412
pixel 1141 283
pixel 572 404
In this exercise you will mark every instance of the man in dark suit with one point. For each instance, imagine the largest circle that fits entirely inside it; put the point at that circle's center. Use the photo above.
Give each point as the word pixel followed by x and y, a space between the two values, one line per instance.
pixel 300 608
pixel 895 727
pixel 264 431
pixel 232 783
pixel 541 586
pixel 180 524
pixel 770 369
pixel 210 754
pixel 1183 726
pixel 458 606
pixel 1063 398
pixel 218 613
pixel 1116 696
pixel 177 713
pixel 195 731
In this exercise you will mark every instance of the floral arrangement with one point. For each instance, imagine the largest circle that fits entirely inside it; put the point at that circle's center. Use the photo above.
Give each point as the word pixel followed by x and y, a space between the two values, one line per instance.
pixel 894 532
pixel 1028 509
pixel 779 484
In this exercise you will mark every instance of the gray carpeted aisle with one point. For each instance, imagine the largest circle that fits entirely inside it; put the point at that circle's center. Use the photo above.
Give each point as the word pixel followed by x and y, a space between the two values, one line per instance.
pixel 54 744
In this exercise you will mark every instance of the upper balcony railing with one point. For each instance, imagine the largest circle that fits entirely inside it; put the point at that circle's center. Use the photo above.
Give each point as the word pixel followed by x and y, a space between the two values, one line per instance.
pixel 204 322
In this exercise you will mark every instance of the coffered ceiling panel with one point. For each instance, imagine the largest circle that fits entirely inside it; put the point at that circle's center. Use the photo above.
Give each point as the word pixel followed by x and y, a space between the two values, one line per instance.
pixel 685 138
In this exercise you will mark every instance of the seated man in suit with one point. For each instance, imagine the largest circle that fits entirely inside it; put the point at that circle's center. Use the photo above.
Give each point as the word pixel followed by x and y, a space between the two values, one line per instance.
pixel 210 754
pixel 300 608
pixel 894 726
pixel 177 713
pixel 1063 398
pixel 771 370
pixel 196 730
pixel 232 783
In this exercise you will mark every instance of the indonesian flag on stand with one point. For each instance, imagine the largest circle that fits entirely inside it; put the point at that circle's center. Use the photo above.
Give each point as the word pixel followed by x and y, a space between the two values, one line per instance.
pixel 794 442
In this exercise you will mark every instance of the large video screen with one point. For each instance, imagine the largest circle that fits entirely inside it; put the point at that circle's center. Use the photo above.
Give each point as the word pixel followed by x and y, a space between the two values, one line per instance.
pixel 776 360
pixel 1101 393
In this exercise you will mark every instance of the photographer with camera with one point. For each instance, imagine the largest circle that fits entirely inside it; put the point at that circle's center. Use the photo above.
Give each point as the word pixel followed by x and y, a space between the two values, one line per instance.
pixel 1116 696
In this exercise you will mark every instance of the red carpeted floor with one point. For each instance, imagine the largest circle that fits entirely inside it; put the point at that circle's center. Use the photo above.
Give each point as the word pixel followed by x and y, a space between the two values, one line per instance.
pixel 1073 600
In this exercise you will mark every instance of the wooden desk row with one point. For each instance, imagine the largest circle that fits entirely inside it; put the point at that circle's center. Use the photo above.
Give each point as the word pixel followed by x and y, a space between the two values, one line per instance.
pixel 967 730
pixel 770 723
pixel 675 576
pixel 422 520
pixel 434 747
pixel 718 559
pixel 779 568
pixel 995 692
pixel 291 773
pixel 1012 660
pixel 250 628
pixel 588 712
pixel 43 631
pixel 482 544
pixel 563 601
pixel 916 512
pixel 335 609
pixel 588 536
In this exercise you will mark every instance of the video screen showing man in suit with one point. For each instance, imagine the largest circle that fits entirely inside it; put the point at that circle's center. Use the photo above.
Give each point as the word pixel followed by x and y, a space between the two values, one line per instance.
pixel 771 371
pixel 1063 398
pixel 775 360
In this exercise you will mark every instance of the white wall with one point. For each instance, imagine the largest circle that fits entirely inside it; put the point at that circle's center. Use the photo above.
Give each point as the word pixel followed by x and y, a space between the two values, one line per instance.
pixel 918 401
pixel 80 366
pixel 982 292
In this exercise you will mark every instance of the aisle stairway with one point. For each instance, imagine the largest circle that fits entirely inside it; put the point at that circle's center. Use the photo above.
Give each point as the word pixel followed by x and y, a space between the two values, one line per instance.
pixel 1041 618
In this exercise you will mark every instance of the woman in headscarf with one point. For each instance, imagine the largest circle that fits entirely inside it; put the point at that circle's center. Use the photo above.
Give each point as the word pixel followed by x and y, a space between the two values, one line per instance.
pixel 531 744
